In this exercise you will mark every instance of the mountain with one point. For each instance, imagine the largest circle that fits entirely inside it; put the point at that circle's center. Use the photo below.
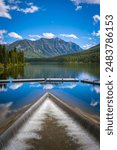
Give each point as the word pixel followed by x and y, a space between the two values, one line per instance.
pixel 45 48
pixel 92 55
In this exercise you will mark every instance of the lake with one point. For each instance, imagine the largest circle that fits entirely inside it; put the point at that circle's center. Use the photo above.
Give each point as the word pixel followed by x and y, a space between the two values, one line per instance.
pixel 38 70
pixel 15 96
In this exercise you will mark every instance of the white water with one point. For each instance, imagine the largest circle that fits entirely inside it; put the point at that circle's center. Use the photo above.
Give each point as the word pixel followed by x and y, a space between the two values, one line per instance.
pixel 34 123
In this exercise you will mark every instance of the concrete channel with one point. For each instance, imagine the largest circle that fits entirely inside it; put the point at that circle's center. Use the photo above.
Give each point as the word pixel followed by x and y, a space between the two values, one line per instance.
pixel 79 126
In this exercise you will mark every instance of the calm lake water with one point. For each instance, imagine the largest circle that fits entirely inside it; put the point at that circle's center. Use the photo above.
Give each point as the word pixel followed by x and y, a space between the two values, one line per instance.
pixel 82 71
pixel 17 95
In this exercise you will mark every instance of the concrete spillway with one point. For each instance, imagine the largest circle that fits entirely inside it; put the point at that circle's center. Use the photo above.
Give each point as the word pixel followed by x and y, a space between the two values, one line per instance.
pixel 47 124
pixel 54 80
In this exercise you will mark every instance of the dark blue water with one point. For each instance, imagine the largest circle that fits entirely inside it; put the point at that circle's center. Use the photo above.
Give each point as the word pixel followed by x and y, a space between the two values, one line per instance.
pixel 16 95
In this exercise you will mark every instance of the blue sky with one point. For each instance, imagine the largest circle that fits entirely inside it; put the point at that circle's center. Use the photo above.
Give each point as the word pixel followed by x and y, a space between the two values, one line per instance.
pixel 72 20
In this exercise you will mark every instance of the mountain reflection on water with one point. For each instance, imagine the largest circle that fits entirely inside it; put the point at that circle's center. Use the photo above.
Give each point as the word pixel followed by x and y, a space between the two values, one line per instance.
pixel 53 70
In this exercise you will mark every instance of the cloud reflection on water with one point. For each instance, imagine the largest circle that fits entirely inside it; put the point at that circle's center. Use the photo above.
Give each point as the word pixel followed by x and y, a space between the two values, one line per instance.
pixel 52 86
pixel 86 76
pixel 68 86
pixel 5 110
pixel 48 86
pixel 15 86
pixel 96 89
pixel 3 89
pixel 94 103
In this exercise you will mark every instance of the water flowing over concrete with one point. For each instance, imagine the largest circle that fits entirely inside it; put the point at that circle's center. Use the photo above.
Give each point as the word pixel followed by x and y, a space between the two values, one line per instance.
pixel 31 129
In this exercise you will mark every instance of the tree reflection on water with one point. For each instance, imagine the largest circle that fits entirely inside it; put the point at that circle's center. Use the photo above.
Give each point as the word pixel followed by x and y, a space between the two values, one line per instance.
pixel 16 72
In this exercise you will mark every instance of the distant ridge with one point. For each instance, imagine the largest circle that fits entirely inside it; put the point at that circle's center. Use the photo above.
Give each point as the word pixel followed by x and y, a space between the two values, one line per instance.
pixel 91 55
pixel 45 48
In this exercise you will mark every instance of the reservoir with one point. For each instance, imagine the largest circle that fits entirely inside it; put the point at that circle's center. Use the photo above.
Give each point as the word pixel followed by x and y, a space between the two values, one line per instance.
pixel 50 121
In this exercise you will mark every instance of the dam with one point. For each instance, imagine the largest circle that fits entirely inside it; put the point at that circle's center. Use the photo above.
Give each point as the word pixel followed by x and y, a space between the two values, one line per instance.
pixel 52 124
pixel 49 80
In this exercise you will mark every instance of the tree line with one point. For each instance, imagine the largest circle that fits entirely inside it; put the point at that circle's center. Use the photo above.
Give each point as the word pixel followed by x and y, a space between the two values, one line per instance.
pixel 91 55
pixel 11 57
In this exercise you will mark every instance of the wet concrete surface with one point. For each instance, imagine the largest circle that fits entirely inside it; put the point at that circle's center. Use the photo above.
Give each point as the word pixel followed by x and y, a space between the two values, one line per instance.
pixel 53 137
pixel 51 128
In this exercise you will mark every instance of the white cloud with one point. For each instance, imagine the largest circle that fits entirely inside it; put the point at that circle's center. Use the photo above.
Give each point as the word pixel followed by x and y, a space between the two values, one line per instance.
pixel 30 9
pixel 4 10
pixel 48 35
pixel 2 32
pixel 3 42
pixel 78 7
pixel 14 1
pixel 51 35
pixel 15 35
pixel 35 36
pixel 96 33
pixel 48 86
pixel 32 39
pixel 78 2
pixel 86 1
pixel 29 4
pixel 69 36
pixel 44 35
pixel 90 38
pixel 14 5
pixel 15 86
pixel 87 46
pixel 96 18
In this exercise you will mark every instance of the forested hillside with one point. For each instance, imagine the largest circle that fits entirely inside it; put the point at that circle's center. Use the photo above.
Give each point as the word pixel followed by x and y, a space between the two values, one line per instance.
pixel 91 55
pixel 11 57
